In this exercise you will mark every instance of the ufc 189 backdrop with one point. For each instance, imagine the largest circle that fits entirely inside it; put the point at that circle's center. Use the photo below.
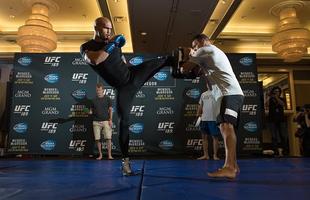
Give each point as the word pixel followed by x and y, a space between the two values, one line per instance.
pixel 50 92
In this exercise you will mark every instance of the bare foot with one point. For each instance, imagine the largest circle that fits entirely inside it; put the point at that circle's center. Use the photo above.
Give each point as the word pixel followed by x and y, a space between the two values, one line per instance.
pixel 237 169
pixel 203 158
pixel 110 158
pixel 216 158
pixel 223 173
pixel 99 158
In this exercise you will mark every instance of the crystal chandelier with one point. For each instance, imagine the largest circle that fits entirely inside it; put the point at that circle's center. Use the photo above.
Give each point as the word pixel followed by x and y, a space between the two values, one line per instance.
pixel 37 34
pixel 291 40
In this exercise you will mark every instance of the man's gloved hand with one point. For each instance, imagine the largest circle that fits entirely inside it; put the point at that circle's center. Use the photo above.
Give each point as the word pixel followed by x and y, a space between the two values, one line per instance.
pixel 116 41
pixel 119 40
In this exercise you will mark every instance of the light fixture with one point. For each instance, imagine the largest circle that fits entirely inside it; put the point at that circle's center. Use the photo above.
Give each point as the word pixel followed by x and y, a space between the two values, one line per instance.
pixel 143 33
pixel 214 21
pixel 37 34
pixel 119 19
pixel 291 40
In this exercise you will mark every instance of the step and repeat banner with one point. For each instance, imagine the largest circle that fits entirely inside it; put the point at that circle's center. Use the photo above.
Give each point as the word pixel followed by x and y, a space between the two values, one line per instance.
pixel 51 90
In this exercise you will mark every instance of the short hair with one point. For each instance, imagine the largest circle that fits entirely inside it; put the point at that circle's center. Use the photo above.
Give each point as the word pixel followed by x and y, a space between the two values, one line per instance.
pixel 276 88
pixel 99 85
pixel 201 37
pixel 307 106
pixel 101 20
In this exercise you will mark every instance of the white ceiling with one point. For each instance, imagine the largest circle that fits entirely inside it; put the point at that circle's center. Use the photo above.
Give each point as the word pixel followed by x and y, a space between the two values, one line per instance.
pixel 235 25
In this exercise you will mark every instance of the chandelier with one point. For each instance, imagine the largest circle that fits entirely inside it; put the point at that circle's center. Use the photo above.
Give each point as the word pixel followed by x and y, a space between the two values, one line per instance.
pixel 291 40
pixel 37 34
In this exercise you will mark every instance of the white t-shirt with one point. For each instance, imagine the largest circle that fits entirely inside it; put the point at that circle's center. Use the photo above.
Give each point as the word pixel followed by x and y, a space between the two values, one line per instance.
pixel 217 69
pixel 210 106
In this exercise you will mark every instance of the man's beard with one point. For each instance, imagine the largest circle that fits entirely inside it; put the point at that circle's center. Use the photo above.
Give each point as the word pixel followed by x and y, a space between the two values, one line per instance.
pixel 104 38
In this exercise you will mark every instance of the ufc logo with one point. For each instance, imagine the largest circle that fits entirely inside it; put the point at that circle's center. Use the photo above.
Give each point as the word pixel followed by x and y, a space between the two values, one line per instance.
pixel 109 92
pixel 165 125
pixel 250 107
pixel 77 143
pixel 52 59
pixel 194 142
pixel 47 125
pixel 78 76
pixel 137 109
pixel 22 108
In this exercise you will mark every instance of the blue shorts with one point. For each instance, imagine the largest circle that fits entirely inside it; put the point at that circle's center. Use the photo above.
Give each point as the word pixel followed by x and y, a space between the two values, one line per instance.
pixel 209 128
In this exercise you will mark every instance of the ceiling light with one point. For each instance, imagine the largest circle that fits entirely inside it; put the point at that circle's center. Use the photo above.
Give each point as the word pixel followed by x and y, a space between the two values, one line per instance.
pixel 119 19
pixel 291 40
pixel 37 34
pixel 143 33
pixel 213 21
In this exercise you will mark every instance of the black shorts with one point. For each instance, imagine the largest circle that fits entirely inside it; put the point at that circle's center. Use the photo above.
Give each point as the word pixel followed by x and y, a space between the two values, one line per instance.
pixel 230 109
